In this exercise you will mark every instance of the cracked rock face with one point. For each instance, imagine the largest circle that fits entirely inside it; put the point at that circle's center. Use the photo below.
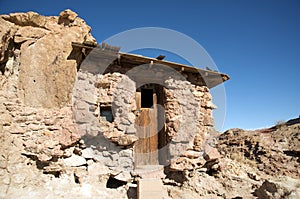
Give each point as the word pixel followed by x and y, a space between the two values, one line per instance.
pixel 46 75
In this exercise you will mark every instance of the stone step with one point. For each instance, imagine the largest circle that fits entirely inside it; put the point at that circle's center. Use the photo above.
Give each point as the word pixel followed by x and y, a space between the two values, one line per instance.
pixel 150 171
pixel 150 188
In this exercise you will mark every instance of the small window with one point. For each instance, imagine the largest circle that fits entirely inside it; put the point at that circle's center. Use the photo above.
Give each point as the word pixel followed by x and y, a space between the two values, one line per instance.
pixel 106 114
pixel 146 98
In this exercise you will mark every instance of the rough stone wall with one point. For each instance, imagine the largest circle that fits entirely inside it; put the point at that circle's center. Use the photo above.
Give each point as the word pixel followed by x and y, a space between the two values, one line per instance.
pixel 107 141
pixel 188 119
pixel 41 151
pixel 44 131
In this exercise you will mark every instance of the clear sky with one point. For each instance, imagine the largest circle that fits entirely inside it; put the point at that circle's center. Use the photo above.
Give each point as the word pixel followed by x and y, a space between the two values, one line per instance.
pixel 255 42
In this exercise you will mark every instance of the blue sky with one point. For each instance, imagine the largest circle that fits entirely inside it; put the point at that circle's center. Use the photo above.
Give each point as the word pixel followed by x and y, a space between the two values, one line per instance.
pixel 256 42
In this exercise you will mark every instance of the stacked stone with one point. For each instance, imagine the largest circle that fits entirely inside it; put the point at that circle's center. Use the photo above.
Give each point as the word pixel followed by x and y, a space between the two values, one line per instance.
pixel 188 119
pixel 106 139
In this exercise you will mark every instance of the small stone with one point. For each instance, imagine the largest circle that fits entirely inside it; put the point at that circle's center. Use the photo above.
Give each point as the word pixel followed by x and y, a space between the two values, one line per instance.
pixel 210 105
pixel 81 141
pixel 130 130
pixel 43 157
pixel 211 154
pixel 16 129
pixel 131 118
pixel 28 111
pixel 254 176
pixel 126 140
pixel 126 153
pixel 124 176
pixel 87 153
pixel 77 151
pixel 68 152
pixel 203 169
pixel 74 161
pixel 50 121
pixel 34 127
pixel 198 94
pixel 105 153
pixel 98 169
pixel 192 154
pixel 89 162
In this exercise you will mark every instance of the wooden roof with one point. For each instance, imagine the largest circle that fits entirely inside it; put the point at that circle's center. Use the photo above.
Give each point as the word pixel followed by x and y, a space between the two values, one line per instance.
pixel 212 78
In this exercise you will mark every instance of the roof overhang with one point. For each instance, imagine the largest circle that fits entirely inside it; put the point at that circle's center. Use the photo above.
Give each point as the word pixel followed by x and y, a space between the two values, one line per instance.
pixel 104 51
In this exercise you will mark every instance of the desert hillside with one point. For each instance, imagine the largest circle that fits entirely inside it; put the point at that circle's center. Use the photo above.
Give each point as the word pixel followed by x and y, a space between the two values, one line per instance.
pixel 260 163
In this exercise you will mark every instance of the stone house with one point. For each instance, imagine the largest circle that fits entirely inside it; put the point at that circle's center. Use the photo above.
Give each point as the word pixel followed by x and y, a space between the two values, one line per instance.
pixel 137 111
pixel 79 115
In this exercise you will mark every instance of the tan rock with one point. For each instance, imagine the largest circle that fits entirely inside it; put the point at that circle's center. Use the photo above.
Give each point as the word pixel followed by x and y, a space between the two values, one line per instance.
pixel 126 140
pixel 66 17
pixel 211 154
pixel 28 32
pixel 5 119
pixel 67 138
pixel 26 19
pixel 7 31
pixel 184 163
pixel 192 154
pixel 53 75
pixel 210 105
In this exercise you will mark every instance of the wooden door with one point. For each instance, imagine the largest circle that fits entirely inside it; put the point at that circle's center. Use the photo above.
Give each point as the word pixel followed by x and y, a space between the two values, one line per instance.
pixel 146 148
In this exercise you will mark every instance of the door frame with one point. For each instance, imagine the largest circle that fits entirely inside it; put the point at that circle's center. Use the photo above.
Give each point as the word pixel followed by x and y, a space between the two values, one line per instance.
pixel 158 112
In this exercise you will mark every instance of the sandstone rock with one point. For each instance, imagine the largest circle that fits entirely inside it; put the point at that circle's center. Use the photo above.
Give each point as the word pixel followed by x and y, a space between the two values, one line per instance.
pixel 43 157
pixel 53 75
pixel 26 19
pixel 66 17
pixel 183 163
pixel 74 161
pixel 68 138
pixel 211 154
pixel 29 33
pixel 112 134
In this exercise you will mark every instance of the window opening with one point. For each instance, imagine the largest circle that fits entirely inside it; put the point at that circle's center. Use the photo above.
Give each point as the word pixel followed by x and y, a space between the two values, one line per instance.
pixel 106 114
pixel 146 98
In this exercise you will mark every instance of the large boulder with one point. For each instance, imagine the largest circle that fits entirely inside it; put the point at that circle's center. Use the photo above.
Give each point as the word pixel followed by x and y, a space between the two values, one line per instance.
pixel 46 74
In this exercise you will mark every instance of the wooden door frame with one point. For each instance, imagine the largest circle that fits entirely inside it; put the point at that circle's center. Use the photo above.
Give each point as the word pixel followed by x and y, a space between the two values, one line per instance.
pixel 158 99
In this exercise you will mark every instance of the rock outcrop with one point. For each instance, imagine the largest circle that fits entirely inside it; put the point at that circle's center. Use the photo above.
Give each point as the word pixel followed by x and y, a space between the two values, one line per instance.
pixel 36 48
pixel 275 151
